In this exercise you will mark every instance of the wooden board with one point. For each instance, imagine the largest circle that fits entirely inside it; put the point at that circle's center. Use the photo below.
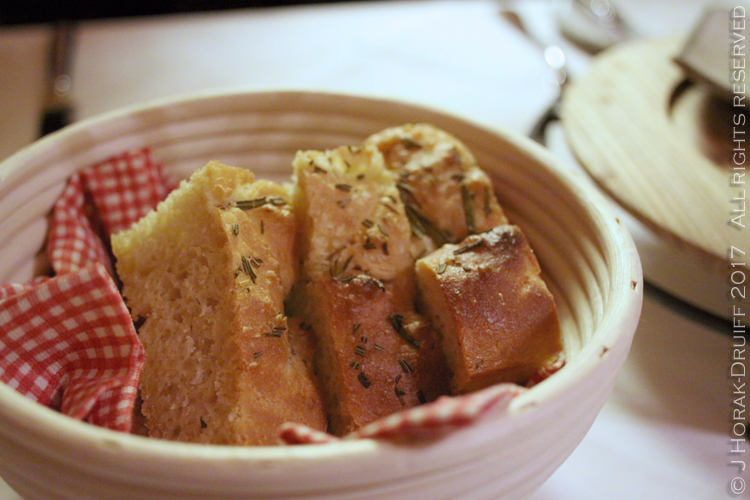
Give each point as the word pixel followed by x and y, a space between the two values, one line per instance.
pixel 661 147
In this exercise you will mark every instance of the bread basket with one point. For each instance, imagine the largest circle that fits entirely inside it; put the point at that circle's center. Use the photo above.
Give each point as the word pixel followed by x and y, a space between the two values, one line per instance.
pixel 588 259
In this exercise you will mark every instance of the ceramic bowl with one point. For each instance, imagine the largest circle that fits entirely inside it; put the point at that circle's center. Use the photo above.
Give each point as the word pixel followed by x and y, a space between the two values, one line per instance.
pixel 588 257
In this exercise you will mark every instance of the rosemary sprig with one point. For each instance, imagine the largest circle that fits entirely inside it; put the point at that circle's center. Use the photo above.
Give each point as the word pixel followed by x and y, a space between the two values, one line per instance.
pixel 248 268
pixel 336 270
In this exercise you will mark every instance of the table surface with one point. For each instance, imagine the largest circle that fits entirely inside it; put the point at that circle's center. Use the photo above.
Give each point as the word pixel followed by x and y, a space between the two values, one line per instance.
pixel 664 432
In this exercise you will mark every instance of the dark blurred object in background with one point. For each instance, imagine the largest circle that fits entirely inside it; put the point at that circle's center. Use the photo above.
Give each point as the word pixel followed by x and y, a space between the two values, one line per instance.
pixel 44 11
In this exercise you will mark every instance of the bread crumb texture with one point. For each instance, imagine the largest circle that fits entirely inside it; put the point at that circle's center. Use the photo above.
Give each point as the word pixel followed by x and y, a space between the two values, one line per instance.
pixel 208 272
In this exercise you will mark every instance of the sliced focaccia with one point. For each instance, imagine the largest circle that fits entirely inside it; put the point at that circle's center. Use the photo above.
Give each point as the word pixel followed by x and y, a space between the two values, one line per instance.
pixel 207 273
pixel 375 354
pixel 497 319
pixel 446 195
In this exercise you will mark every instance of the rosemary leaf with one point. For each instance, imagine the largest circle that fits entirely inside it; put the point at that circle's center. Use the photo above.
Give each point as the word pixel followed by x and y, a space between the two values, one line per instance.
pixel 405 366
pixel 397 322
pixel 364 380
pixel 468 209
pixel 250 204
pixel 467 247
pixel 424 227
pixel 248 268
pixel 410 143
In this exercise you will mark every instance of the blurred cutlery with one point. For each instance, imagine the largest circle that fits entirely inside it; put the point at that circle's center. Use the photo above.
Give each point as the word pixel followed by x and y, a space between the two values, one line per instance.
pixel 58 108
pixel 556 62
pixel 601 18
pixel 592 24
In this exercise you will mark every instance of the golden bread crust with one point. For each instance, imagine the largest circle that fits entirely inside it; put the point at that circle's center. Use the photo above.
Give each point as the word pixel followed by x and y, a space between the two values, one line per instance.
pixel 497 319
pixel 358 282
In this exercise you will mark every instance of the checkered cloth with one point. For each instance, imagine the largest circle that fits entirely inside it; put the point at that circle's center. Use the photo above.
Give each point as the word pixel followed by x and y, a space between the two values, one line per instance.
pixel 68 342
pixel 426 421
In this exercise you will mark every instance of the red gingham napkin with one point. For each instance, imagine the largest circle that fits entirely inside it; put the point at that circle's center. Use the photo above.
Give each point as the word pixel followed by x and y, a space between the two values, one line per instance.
pixel 428 420
pixel 102 199
pixel 68 342
pixel 425 421
pixel 73 333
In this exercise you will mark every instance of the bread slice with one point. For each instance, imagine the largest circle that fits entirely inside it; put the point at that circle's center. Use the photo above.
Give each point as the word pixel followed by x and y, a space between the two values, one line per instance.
pixel 497 319
pixel 447 196
pixel 375 354
pixel 207 273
